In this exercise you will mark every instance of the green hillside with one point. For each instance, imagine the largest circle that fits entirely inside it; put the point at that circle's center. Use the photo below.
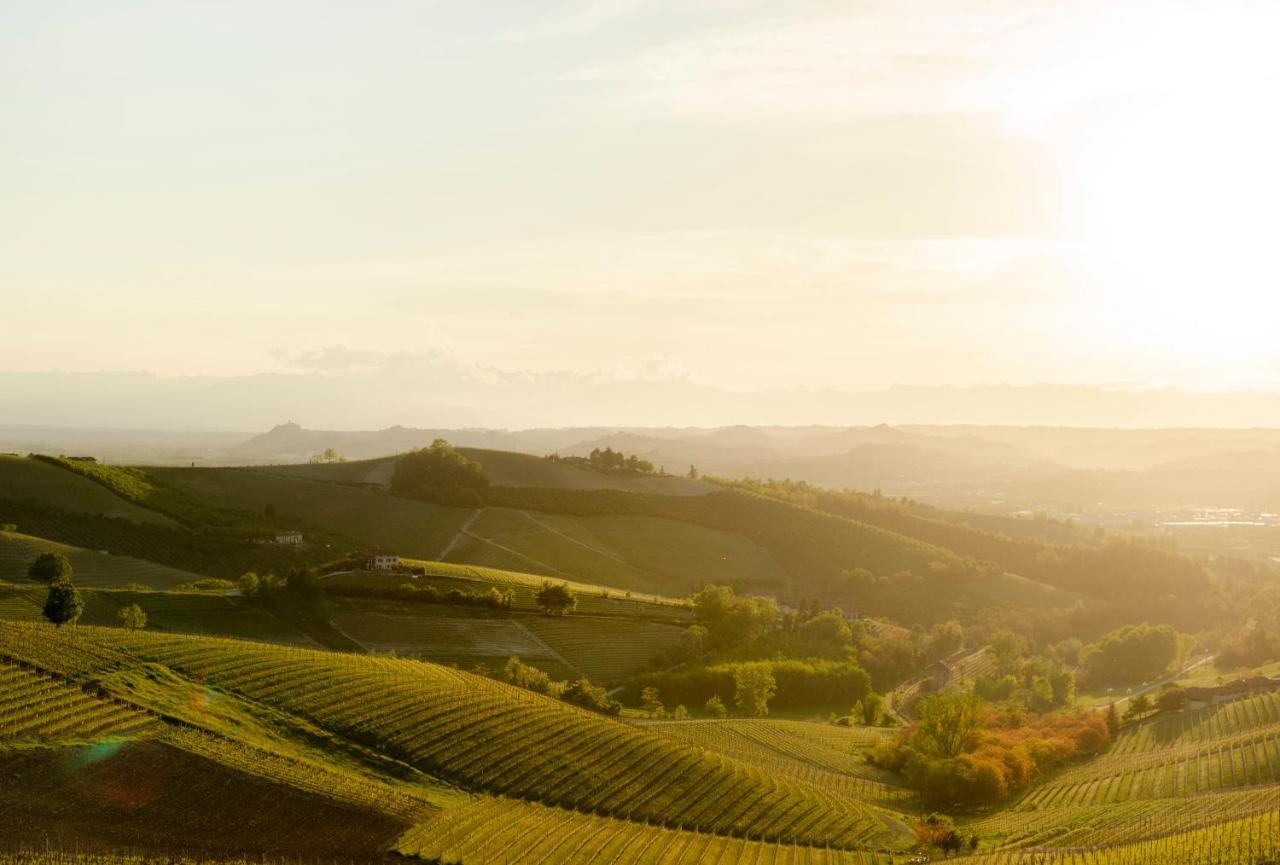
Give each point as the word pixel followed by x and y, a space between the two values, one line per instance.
pixel 93 569
pixel 25 478
pixel 465 729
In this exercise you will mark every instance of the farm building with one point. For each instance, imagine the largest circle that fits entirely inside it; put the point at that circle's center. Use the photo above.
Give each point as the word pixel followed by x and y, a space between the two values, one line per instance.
pixel 1198 696
pixel 288 539
pixel 382 562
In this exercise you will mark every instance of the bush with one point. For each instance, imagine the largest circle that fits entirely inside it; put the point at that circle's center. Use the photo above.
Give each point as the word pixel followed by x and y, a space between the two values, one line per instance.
pixel 1134 653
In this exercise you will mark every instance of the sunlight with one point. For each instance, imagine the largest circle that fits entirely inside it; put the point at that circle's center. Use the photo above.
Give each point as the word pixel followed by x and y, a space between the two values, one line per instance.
pixel 1179 192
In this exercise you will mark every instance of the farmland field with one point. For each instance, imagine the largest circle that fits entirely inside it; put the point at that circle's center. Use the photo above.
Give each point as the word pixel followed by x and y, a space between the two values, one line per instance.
pixel 468 729
pixel 25 478
pixel 409 528
pixel 92 568
pixel 640 554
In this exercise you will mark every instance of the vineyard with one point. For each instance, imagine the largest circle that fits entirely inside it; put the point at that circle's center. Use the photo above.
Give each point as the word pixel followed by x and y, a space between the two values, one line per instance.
pixel 604 650
pixel 480 734
pixel 39 707
pixel 500 831
pixel 827 756
pixel 93 569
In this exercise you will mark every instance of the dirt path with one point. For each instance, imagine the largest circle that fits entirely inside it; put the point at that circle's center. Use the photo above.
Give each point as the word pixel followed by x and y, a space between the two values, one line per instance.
pixel 608 555
pixel 460 534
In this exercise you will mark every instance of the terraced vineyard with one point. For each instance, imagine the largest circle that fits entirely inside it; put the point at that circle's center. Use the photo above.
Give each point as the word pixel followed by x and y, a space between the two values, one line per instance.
pixel 1232 745
pixel 826 756
pixel 36 706
pixel 480 734
pixel 1252 840
pixel 500 831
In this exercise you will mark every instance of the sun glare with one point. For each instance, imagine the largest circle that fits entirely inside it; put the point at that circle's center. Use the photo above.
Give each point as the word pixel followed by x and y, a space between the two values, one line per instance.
pixel 1178 195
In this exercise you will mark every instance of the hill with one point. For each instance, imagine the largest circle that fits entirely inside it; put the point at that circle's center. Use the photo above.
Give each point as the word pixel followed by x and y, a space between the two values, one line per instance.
pixel 449 725
pixel 93 568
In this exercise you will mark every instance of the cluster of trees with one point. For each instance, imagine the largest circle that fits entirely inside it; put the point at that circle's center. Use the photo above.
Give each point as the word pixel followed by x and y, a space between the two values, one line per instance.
pixel 328 455
pixel 492 599
pixel 1254 648
pixel 752 686
pixel 64 604
pixel 965 752
pixel 1119 569
pixel 1037 682
pixel 609 461
pixel 579 693
pixel 440 474
pixel 938 832
pixel 755 686
pixel 1133 653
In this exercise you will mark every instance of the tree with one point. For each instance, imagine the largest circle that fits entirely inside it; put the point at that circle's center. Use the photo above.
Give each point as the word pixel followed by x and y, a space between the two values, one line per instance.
pixel 439 473
pixel 250 584
pixel 1007 648
pixel 133 617
pixel 328 455
pixel 937 831
pixel 715 707
pixel 693 473
pixel 949 723
pixel 651 702
pixel 1171 698
pixel 693 642
pixel 49 568
pixel 1138 706
pixel 680 713
pixel 872 706
pixel 64 604
pixel 754 686
pixel 555 599
pixel 1113 720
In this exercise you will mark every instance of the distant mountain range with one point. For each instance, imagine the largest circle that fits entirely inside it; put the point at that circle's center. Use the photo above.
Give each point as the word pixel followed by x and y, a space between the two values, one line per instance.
pixel 429 394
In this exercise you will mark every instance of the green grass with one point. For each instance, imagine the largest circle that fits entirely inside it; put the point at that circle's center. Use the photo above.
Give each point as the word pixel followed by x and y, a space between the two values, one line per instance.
pixel 23 478
pixel 636 553
pixel 605 650
pixel 92 568
pixel 402 526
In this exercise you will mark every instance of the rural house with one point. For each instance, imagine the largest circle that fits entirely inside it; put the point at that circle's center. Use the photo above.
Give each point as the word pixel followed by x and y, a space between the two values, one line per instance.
pixel 1212 696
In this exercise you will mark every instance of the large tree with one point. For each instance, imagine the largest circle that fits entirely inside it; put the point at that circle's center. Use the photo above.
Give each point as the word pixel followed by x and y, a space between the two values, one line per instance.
pixel 555 599
pixel 754 686
pixel 64 604
pixel 50 568
pixel 948 723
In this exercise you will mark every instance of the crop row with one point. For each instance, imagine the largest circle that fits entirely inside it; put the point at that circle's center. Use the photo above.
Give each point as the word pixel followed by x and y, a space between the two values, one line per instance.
pixel 499 831
pixel 1239 762
pixel 776 749
pixel 493 737
pixel 1201 725
pixel 35 706
pixel 1253 839
pixel 1123 822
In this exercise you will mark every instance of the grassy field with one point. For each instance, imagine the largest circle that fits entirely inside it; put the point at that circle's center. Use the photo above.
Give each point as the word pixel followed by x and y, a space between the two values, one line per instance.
pixel 92 568
pixel 23 478
pixel 408 528
pixel 604 650
pixel 636 553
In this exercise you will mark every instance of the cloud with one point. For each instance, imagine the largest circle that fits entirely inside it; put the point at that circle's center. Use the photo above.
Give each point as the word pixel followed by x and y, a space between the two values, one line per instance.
pixel 332 358
pixel 1022 61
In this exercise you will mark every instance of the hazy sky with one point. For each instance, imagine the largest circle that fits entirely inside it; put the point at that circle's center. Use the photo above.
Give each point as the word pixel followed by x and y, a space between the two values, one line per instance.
pixel 749 194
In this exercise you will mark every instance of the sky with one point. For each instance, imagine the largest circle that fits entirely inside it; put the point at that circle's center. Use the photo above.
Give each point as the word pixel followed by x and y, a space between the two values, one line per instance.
pixel 742 195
